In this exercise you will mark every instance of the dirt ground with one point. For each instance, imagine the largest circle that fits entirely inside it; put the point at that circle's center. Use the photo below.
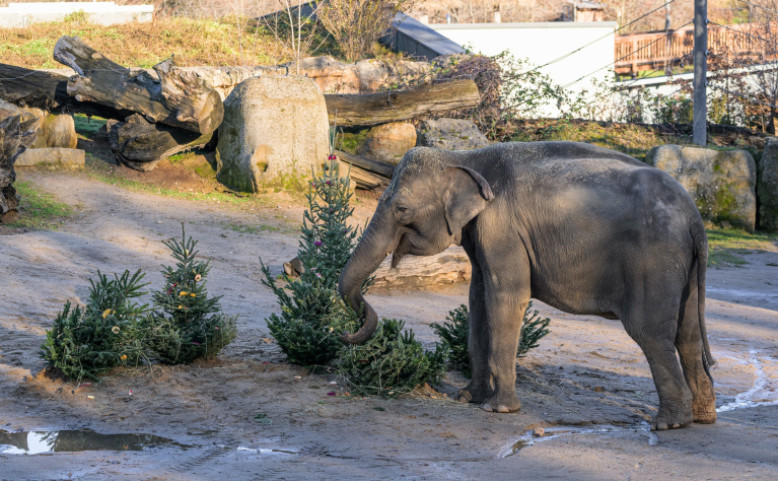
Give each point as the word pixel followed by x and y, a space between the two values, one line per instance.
pixel 251 416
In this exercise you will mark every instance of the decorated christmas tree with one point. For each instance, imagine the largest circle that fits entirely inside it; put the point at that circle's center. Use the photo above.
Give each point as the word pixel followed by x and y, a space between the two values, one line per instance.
pixel 312 313
pixel 186 323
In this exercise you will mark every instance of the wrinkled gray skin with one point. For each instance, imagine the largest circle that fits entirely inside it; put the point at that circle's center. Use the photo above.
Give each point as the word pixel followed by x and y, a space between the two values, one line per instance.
pixel 584 229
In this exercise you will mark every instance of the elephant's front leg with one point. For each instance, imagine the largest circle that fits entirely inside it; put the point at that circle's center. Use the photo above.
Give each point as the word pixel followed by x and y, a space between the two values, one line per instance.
pixel 480 386
pixel 505 311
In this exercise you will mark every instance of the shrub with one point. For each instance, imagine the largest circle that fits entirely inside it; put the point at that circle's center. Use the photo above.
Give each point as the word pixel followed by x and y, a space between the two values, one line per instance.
pixel 357 24
pixel 186 324
pixel 85 341
pixel 454 335
pixel 312 312
pixel 390 363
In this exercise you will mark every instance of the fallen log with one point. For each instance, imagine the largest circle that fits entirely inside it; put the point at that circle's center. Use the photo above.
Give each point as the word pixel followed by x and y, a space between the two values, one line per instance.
pixel 177 98
pixel 140 145
pixel 15 136
pixel 414 272
pixel 373 166
pixel 33 88
pixel 396 105
pixel 364 179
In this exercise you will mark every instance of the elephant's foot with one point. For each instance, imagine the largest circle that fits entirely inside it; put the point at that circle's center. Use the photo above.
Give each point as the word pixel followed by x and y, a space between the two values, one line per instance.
pixel 704 411
pixel 502 404
pixel 671 419
pixel 473 394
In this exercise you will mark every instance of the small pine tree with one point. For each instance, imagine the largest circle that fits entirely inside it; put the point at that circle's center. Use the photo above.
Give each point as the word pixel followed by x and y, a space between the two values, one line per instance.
pixel 187 324
pixel 390 363
pixel 312 312
pixel 455 335
pixel 84 342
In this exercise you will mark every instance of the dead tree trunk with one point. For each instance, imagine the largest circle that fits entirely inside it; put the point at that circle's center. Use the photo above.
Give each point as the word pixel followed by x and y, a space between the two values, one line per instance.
pixel 140 145
pixel 178 98
pixel 14 138
pixel 33 88
pixel 383 107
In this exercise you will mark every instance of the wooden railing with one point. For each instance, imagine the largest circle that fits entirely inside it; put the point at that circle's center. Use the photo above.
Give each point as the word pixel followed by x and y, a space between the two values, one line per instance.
pixel 636 52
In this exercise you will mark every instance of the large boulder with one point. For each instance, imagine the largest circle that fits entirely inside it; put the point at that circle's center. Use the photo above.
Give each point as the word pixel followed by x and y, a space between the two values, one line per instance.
pixel 52 156
pixel 389 142
pixel 767 186
pixel 365 76
pixel 721 182
pixel 452 134
pixel 56 130
pixel 51 130
pixel 273 126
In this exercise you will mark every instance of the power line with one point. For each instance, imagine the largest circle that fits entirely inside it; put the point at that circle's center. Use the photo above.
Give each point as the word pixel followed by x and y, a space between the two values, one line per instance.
pixel 649 74
pixel 622 58
pixel 559 59
pixel 727 27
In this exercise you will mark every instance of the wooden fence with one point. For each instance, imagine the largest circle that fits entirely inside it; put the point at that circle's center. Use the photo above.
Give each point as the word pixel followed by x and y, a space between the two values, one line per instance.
pixel 636 52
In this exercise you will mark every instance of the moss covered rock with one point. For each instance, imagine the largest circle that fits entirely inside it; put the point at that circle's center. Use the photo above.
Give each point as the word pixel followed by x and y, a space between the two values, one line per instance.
pixel 273 126
pixel 721 182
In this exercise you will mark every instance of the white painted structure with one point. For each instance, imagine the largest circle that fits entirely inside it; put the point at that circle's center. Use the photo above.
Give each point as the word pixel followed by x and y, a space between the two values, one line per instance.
pixel 17 15
pixel 573 54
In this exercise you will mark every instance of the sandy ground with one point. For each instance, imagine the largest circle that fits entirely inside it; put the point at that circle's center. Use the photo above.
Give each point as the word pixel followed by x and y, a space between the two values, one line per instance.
pixel 251 416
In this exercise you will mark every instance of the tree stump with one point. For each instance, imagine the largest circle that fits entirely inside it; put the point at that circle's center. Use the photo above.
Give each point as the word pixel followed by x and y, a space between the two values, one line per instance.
pixel 15 136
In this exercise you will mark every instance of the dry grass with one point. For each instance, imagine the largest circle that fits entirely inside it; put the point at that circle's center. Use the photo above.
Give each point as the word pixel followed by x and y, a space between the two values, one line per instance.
pixel 227 41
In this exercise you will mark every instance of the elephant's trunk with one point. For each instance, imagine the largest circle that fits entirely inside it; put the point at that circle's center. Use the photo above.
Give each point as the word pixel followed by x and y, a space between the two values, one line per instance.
pixel 380 238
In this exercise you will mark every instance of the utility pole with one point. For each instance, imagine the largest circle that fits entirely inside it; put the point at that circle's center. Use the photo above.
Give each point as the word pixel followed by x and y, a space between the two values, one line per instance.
pixel 700 99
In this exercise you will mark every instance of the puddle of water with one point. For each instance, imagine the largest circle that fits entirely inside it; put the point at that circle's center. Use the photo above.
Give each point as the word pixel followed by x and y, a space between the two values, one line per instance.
pixel 762 393
pixel 40 442
pixel 529 439
pixel 275 451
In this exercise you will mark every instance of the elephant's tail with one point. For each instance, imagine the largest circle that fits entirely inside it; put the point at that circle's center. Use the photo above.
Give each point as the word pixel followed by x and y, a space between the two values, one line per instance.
pixel 701 258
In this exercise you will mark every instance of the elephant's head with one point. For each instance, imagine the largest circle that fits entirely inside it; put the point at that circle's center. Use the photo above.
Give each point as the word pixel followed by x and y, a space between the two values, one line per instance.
pixel 422 212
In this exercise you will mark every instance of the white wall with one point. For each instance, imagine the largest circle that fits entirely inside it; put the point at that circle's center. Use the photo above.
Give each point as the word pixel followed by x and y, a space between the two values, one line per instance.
pixel 541 43
pixel 104 13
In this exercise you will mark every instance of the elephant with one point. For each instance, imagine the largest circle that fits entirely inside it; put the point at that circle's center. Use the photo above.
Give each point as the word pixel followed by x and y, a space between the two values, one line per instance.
pixel 584 229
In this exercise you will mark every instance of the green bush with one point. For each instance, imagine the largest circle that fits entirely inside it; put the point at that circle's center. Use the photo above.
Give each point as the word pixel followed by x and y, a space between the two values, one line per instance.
pixel 186 324
pixel 454 335
pixel 85 341
pixel 312 313
pixel 113 330
pixel 390 363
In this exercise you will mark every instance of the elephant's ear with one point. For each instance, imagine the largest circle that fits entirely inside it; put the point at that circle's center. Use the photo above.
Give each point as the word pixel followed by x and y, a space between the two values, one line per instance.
pixel 466 194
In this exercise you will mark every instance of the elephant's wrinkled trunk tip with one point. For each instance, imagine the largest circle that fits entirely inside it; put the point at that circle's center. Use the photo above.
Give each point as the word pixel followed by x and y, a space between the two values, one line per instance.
pixel 367 330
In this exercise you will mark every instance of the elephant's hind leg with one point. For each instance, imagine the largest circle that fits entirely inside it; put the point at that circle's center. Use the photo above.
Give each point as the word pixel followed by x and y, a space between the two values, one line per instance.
pixel 652 323
pixel 691 351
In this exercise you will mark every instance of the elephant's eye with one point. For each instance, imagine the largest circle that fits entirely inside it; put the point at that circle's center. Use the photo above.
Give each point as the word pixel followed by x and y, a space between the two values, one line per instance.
pixel 402 214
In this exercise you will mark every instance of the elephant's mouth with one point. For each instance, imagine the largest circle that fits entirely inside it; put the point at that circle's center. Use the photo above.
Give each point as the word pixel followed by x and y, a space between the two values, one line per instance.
pixel 405 246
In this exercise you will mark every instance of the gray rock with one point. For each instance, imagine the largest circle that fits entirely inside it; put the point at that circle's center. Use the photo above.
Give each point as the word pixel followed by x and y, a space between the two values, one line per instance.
pixel 52 156
pixel 767 186
pixel 389 142
pixel 721 182
pixel 273 126
pixel 452 134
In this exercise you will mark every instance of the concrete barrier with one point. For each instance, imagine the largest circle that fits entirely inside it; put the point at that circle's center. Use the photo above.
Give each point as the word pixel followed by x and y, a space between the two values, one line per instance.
pixel 17 15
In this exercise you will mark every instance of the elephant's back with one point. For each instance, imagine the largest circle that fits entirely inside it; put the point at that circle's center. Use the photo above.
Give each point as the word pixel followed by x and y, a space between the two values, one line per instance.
pixel 573 155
